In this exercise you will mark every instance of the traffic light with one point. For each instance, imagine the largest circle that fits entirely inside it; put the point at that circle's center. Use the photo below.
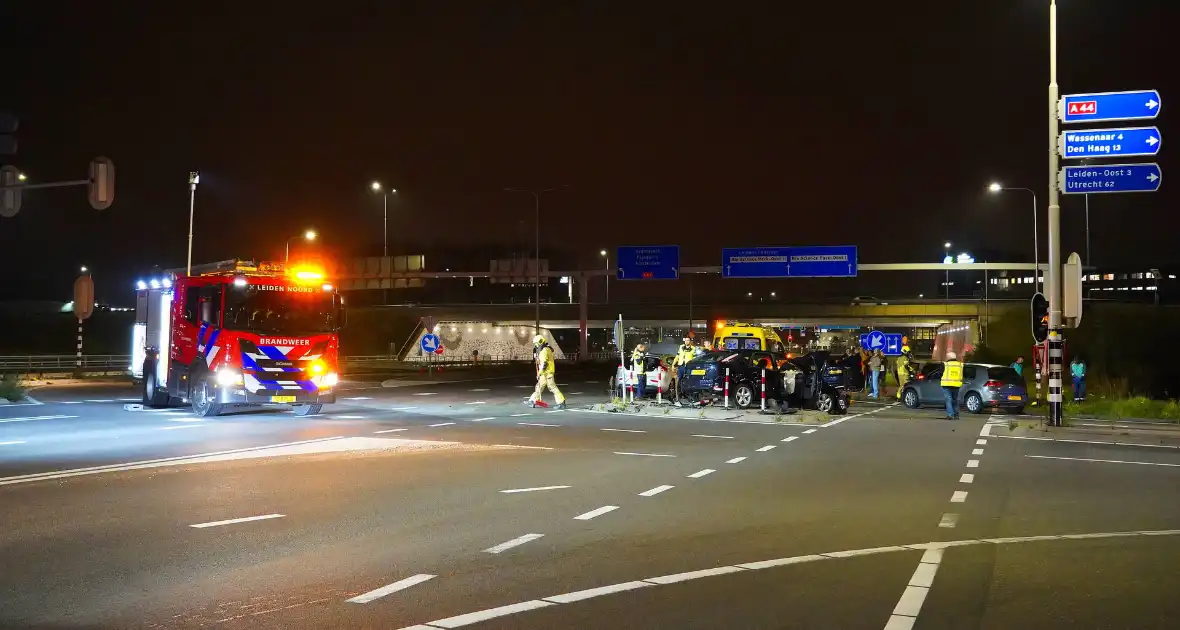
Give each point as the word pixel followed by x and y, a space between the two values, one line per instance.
pixel 1040 318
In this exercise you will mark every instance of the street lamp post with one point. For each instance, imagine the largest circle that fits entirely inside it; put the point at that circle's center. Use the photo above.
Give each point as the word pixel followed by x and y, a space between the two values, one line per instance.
pixel 995 187
pixel 194 178
pixel 308 236
pixel 376 187
pixel 1056 342
pixel 536 193
pixel 947 281
pixel 602 252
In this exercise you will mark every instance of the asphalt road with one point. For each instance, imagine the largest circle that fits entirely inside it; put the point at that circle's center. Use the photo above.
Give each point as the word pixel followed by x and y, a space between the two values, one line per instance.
pixel 453 505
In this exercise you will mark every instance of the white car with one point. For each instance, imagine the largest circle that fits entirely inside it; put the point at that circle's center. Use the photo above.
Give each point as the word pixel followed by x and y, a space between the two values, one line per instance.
pixel 658 375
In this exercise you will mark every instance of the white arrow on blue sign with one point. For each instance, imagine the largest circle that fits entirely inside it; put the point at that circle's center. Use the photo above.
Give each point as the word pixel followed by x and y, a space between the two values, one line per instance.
pixel 1096 143
pixel 431 342
pixel 1109 106
pixel 1110 178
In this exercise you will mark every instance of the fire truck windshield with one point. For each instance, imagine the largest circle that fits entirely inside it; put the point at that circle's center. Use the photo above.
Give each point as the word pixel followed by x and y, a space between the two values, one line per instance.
pixel 280 310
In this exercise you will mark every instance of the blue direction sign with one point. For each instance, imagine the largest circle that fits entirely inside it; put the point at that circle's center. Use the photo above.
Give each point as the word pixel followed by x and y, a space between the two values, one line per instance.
pixel 431 343
pixel 1108 106
pixel 1111 178
pixel 789 262
pixel 649 262
pixel 888 343
pixel 1125 142
pixel 892 345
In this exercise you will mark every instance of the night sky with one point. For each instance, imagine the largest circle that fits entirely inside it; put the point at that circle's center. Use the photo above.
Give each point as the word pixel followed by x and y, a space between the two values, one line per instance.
pixel 708 125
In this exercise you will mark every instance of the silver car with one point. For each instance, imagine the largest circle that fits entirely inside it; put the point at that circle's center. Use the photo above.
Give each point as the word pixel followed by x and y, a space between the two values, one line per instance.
pixel 984 387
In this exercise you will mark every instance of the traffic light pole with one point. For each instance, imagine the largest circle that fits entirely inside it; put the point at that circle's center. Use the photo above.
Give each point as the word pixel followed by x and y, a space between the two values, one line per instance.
pixel 1056 341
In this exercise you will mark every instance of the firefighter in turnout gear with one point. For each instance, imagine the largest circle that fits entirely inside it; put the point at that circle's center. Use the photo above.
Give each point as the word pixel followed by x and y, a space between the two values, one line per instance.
pixel 905 369
pixel 545 369
pixel 684 354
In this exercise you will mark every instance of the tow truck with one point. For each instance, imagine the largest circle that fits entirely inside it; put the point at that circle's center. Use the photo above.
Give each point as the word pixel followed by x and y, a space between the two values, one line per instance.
pixel 234 334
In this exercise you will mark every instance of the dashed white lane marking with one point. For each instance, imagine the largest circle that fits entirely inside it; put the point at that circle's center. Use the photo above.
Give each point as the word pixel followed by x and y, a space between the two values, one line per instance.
pixel 735 460
pixel 520 415
pixel 537 424
pixel 590 593
pixel 980 442
pixel 973 463
pixel 790 439
pixel 591 382
pixel 425 393
pixel 358 398
pixel 71 402
pixel 34 418
pixel 233 521
pixel 101 400
pixel 576 393
pixel 654 491
pixel 348 417
pixel 644 454
pixel 1040 439
pixel 809 431
pixel 701 473
pixel 390 588
pixel 479 389
pixel 525 386
pixel 910 604
pixel 949 520
pixel 856 415
pixel 596 512
pixel 977 451
pixel 482 419
pixel 1104 461
pixel 555 411
pixel 182 426
pixel 959 496
pixel 402 408
pixel 624 430
pixel 539 448
pixel 966 478
pixel 186 419
pixel 440 424
pixel 390 431
pixel 11 442
pixel 765 448
pixel 477 402
pixel 130 399
pixel 716 437
pixel 515 542
pixel 537 489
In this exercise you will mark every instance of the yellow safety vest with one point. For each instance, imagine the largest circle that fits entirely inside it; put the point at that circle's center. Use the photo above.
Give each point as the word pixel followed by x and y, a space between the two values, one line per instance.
pixel 545 363
pixel 637 362
pixel 686 354
pixel 952 374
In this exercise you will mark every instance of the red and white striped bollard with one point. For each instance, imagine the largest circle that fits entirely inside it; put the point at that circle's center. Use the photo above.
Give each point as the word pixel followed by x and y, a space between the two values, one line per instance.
pixel 763 389
pixel 726 388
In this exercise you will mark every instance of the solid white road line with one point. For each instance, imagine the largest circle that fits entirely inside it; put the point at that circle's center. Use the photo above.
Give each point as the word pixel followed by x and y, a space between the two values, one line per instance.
pixel 735 460
pixel 515 542
pixel 389 430
pixel 959 496
pixel 765 448
pixel 33 418
pixel 130 399
pixel 390 588
pixel 654 491
pixel 537 489
pixel 101 400
pixel 910 604
pixel 809 431
pixel 1104 461
pixel 790 439
pixel 922 577
pixel 232 521
pixel 477 402
pixel 717 437
pixel 949 520
pixel 479 389
pixel 348 417
pixel 358 398
pixel 980 442
pixel 525 386
pixel 401 408
pixel 11 442
pixel 966 478
pixel 973 463
pixel 643 454
pixel 519 415
pixel 701 473
pixel 1040 439
pixel 440 424
pixel 596 512
pixel 182 426
pixel 977 451
pixel 186 419
pixel 425 393
pixel 624 430
pixel 482 419
pixel 576 393
pixel 539 448
pixel 857 415
pixel 537 424
pixel 71 402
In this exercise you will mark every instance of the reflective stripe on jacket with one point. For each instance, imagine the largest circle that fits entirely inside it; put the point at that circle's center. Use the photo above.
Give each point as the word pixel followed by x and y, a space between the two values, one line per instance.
pixel 952 374
pixel 545 362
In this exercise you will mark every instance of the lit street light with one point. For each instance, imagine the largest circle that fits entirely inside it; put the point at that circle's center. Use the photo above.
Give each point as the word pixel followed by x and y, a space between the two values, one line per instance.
pixel 20 177
pixel 536 193
pixel 602 252
pixel 308 236
pixel 84 269
pixel 376 187
pixel 947 259
pixel 995 188
pixel 194 178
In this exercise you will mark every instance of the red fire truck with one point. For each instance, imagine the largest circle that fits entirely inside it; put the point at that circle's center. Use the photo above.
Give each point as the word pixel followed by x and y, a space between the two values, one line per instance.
pixel 237 333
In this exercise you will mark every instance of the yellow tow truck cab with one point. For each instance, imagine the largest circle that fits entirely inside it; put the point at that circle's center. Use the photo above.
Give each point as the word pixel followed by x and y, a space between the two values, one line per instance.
pixel 742 336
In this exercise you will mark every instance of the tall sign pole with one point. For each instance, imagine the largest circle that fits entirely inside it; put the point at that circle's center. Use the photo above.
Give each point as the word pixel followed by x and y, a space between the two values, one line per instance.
pixel 194 178
pixel 1056 342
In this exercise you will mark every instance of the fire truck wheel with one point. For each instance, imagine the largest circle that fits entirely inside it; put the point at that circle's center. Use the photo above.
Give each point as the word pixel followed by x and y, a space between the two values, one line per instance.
pixel 307 410
pixel 153 396
pixel 204 399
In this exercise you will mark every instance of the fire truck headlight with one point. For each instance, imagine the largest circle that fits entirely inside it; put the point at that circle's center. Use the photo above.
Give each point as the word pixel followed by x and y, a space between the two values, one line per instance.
pixel 329 380
pixel 227 377
pixel 318 367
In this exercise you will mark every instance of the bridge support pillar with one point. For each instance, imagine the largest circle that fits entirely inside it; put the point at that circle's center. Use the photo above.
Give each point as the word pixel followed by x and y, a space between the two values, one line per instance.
pixel 583 315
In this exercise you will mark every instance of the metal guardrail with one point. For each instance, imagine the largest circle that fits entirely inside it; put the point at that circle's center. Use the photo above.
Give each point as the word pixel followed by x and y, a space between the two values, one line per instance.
pixel 66 362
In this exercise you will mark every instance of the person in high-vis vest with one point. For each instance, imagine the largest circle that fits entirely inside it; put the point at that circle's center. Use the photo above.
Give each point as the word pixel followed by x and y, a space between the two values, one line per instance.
pixel 546 366
pixel 905 369
pixel 952 380
pixel 684 354
pixel 639 370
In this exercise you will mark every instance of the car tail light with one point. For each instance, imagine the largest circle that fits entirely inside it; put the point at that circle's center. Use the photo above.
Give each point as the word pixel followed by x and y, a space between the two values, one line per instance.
pixel 995 384
pixel 921 377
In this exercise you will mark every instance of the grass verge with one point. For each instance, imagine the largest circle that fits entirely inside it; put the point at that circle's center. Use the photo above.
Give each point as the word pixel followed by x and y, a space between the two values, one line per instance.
pixel 11 388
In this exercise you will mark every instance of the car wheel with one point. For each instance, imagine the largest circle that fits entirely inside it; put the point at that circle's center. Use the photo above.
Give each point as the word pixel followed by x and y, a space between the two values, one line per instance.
pixel 204 397
pixel 307 410
pixel 840 404
pixel 910 399
pixel 824 402
pixel 743 396
pixel 974 403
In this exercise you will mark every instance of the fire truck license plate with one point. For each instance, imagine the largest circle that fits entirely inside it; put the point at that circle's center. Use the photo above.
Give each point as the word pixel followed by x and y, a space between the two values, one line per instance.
pixel 282 399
